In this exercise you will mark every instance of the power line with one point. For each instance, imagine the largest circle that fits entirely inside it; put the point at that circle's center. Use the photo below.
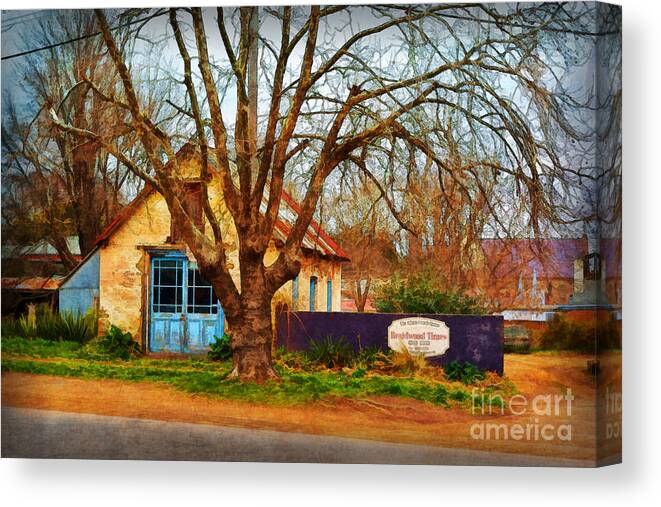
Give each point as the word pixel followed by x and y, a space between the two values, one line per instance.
pixel 158 14
pixel 82 37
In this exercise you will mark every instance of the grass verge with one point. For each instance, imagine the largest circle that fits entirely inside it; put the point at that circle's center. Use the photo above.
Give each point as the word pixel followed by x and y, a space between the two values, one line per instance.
pixel 209 378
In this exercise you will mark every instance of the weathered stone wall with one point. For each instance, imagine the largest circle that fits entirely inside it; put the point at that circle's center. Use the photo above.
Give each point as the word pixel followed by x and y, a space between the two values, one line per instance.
pixel 125 266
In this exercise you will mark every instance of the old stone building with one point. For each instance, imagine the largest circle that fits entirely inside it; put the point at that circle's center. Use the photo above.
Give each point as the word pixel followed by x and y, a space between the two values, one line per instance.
pixel 141 278
pixel 524 278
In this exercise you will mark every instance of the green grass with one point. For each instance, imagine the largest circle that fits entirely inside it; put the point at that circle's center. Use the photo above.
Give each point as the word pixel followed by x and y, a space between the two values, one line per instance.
pixel 40 348
pixel 201 376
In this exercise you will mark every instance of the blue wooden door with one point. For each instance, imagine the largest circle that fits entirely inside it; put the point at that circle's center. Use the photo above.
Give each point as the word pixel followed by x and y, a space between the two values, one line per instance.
pixel 185 313
pixel 167 317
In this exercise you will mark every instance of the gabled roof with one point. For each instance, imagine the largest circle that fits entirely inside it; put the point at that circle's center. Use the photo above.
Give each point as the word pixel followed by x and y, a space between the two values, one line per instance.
pixel 315 239
pixel 549 257
pixel 124 215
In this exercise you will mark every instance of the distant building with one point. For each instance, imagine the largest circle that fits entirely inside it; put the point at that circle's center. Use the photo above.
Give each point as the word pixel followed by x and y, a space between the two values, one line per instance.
pixel 32 274
pixel 40 259
pixel 541 274
pixel 526 278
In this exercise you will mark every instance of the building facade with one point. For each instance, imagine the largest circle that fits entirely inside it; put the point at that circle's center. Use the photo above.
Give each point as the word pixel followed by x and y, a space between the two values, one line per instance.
pixel 142 279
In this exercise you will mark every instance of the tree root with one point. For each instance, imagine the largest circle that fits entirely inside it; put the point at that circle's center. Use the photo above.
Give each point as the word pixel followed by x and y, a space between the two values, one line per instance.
pixel 256 375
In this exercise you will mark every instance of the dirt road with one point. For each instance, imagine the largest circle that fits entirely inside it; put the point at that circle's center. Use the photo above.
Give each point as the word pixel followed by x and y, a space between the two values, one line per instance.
pixel 385 419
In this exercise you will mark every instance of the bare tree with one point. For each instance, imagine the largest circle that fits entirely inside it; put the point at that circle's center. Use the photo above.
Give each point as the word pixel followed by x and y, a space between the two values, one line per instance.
pixel 58 183
pixel 332 98
pixel 368 232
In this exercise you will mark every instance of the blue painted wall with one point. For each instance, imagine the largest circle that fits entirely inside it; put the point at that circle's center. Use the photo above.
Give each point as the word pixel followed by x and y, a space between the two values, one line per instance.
pixel 78 292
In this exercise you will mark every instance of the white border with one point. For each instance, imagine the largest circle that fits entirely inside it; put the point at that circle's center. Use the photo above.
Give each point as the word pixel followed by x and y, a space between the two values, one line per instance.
pixel 71 483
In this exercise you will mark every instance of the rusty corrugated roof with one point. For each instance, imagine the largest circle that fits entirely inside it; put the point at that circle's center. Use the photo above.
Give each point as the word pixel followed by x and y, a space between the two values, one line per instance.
pixel 32 283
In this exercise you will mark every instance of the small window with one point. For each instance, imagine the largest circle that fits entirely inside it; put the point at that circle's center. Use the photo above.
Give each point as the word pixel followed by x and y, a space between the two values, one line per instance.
pixel 313 293
pixel 193 205
pixel 294 293
pixel 592 267
pixel 329 296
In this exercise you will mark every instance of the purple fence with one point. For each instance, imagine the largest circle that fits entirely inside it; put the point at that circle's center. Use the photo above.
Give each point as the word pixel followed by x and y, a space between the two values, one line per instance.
pixel 473 338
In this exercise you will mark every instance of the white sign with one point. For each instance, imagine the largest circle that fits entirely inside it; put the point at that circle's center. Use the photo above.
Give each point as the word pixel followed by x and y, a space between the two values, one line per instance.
pixel 420 336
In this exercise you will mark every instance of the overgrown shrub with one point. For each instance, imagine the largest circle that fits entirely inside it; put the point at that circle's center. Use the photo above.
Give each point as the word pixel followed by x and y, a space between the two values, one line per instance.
pixel 422 293
pixel 26 327
pixel 221 348
pixel 330 353
pixel 292 360
pixel 77 327
pixel 609 334
pixel 369 357
pixel 48 324
pixel 563 334
pixel 10 327
pixel 466 373
pixel 117 344
pixel 407 363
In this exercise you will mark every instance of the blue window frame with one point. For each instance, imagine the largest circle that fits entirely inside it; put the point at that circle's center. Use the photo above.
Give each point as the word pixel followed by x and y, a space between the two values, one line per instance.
pixel 201 297
pixel 329 296
pixel 168 283
pixel 313 293
pixel 294 293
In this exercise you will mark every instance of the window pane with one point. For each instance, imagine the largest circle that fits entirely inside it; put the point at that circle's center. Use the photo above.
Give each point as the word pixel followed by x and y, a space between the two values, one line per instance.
pixel 203 309
pixel 167 285
pixel 169 276
pixel 167 295
pixel 203 296
pixel 201 282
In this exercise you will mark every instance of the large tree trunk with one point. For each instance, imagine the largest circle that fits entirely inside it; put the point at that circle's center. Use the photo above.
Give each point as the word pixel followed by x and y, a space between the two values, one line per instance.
pixel 88 230
pixel 251 344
